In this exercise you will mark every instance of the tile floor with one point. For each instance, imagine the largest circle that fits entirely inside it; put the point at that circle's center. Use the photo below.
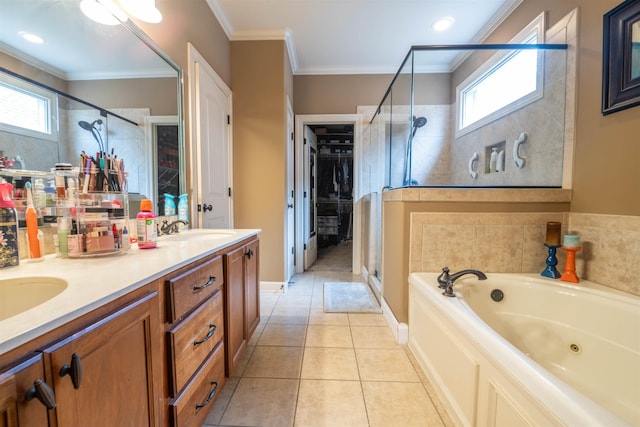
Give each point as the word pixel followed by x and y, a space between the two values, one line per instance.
pixel 304 367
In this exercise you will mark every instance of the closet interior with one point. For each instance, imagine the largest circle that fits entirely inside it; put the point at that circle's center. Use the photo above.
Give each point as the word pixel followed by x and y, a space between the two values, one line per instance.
pixel 333 183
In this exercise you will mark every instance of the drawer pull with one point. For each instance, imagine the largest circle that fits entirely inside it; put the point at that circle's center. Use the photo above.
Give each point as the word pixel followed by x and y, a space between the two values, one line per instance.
pixel 43 392
pixel 212 330
pixel 212 393
pixel 74 371
pixel 211 281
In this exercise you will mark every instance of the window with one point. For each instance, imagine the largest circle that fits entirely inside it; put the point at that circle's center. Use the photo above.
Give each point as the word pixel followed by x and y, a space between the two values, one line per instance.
pixel 27 109
pixel 507 82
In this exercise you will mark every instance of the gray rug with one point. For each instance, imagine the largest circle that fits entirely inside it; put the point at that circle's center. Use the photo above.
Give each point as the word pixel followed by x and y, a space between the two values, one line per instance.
pixel 349 297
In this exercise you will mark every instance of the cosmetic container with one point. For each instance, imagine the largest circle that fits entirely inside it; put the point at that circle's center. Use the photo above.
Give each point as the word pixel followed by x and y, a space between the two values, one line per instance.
pixel 146 226
pixel 169 205
pixel 9 256
pixel 183 209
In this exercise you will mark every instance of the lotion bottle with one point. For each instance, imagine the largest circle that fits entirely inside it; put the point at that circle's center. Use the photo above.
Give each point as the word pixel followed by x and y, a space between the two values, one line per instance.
pixel 493 160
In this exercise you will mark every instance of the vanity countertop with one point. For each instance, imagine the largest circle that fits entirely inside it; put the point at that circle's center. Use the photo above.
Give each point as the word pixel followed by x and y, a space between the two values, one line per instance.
pixel 93 282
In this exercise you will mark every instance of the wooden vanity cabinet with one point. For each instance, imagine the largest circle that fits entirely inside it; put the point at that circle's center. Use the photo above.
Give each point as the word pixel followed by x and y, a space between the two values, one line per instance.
pixel 242 302
pixel 18 382
pixel 102 375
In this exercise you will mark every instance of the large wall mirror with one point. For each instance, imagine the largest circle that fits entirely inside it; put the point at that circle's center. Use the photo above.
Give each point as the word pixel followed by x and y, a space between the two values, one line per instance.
pixel 109 89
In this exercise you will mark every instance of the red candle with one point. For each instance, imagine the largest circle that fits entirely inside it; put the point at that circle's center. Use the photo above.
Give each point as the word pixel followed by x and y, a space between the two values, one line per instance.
pixel 553 233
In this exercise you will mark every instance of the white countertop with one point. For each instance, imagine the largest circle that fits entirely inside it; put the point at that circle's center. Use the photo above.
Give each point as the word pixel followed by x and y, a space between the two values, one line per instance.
pixel 93 282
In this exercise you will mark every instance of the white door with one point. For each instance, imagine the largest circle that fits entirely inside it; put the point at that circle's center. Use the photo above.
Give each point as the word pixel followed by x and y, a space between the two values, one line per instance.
pixel 290 194
pixel 211 130
pixel 310 229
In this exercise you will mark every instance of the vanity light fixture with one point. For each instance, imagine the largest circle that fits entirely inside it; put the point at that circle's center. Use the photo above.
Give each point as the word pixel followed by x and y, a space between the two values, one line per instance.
pixel 144 10
pixel 30 37
pixel 104 11
pixel 443 24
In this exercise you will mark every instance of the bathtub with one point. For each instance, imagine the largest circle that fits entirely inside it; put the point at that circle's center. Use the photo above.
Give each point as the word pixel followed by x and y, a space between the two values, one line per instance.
pixel 547 353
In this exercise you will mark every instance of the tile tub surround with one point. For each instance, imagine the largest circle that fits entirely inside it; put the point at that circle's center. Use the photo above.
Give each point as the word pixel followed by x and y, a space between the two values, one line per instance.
pixel 513 243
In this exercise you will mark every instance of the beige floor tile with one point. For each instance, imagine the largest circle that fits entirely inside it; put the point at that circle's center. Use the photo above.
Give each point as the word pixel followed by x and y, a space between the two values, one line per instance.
pixel 375 364
pixel 285 335
pixel 373 337
pixel 239 367
pixel 329 364
pixel 274 362
pixel 326 276
pixel 262 402
pixel 317 302
pixel 220 405
pixel 367 319
pixel 300 289
pixel 399 404
pixel 258 332
pixel 296 301
pixel 330 404
pixel 290 315
pixel 329 336
pixel 328 319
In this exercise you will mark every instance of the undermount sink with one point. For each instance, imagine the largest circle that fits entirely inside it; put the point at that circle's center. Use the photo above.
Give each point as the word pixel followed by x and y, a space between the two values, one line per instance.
pixel 23 293
pixel 199 235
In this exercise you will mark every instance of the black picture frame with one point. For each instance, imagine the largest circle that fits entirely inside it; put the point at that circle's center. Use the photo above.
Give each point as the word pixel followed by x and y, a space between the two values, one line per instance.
pixel 620 76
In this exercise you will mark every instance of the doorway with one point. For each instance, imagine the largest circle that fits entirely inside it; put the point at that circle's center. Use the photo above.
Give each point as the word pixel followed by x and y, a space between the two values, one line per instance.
pixel 327 185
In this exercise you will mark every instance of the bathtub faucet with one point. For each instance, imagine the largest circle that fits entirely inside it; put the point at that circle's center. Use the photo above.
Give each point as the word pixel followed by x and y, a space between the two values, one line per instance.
pixel 445 280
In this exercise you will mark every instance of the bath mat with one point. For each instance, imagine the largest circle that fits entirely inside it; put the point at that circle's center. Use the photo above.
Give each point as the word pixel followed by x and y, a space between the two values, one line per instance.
pixel 349 297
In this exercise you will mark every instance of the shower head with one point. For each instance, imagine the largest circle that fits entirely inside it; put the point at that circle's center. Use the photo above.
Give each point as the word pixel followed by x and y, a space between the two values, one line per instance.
pixel 91 127
pixel 418 122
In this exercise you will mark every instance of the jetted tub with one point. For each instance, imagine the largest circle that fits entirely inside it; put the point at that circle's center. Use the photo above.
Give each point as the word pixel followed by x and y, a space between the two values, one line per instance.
pixel 536 352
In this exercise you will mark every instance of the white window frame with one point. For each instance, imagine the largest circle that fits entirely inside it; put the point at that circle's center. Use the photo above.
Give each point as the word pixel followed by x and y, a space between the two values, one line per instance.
pixel 51 114
pixel 536 27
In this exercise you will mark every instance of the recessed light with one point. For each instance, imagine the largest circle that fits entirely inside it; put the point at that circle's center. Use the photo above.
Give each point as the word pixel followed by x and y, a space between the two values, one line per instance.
pixel 30 37
pixel 443 24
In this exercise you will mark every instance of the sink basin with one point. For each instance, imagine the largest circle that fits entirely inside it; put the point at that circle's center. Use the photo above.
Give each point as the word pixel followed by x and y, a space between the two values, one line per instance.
pixel 23 293
pixel 199 235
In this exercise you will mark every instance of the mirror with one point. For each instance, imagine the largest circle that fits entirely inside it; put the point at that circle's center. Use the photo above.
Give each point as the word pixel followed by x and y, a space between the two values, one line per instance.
pixel 111 86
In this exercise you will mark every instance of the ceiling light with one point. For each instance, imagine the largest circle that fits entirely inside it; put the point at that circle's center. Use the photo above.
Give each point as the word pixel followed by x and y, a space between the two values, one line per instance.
pixel 104 12
pixel 30 37
pixel 144 10
pixel 443 24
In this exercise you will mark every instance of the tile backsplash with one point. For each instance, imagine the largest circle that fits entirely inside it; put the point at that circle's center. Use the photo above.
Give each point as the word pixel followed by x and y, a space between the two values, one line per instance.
pixel 514 243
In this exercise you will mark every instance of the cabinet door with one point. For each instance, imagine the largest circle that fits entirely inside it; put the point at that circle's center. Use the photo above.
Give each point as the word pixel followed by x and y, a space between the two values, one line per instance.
pixel 103 374
pixel 19 406
pixel 252 287
pixel 235 340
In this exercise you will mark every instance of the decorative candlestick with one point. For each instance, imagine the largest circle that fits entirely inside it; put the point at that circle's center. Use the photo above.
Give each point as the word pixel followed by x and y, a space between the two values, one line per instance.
pixel 552 242
pixel 571 244
pixel 552 261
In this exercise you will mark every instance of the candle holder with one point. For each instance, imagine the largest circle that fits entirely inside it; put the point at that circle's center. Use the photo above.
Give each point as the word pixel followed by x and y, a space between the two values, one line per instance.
pixel 552 261
pixel 569 273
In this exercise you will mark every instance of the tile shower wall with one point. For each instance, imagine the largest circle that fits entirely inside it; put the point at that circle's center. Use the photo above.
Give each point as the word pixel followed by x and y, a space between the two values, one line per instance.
pixel 513 243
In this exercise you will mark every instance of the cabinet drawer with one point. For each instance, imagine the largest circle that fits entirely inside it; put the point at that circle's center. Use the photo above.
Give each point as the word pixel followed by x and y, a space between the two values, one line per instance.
pixel 192 340
pixel 193 286
pixel 191 407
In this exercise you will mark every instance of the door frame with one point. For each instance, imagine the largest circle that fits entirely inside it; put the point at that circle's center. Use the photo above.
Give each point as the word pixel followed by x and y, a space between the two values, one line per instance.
pixel 326 119
pixel 194 57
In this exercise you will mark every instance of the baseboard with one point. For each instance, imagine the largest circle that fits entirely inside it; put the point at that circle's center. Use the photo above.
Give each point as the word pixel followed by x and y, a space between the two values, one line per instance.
pixel 274 287
pixel 400 330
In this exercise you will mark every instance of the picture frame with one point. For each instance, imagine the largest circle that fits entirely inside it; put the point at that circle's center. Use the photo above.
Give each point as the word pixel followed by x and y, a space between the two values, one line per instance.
pixel 621 57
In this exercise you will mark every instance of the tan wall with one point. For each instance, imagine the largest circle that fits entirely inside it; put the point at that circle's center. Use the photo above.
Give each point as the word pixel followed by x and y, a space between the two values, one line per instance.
pixel 259 150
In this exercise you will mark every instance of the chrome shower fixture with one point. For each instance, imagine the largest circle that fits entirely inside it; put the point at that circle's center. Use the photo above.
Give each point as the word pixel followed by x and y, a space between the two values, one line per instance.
pixel 91 127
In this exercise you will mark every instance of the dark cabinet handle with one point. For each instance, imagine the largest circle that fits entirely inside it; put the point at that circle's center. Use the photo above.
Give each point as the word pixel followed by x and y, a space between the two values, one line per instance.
pixel 212 330
pixel 43 393
pixel 210 282
pixel 212 393
pixel 74 370
pixel 249 253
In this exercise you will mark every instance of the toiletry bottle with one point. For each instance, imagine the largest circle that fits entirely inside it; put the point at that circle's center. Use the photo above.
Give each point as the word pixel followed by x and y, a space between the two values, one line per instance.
pixel 8 227
pixel 169 205
pixel 493 160
pixel 126 243
pixel 183 209
pixel 63 236
pixel 500 161
pixel 146 226
pixel 35 237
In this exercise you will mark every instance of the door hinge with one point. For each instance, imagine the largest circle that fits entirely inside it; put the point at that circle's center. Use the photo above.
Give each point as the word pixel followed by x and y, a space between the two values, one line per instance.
pixel 304 194
pixel 292 136
pixel 304 141
pixel 292 252
pixel 305 246
pixel 229 191
pixel 292 194
pixel 228 119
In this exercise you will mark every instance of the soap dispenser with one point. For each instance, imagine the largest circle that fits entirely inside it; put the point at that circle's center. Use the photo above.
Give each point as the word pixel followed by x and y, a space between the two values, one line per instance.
pixel 9 255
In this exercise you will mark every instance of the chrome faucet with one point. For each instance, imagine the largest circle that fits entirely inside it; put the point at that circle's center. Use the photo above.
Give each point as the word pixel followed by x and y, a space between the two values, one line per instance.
pixel 445 280
pixel 171 228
